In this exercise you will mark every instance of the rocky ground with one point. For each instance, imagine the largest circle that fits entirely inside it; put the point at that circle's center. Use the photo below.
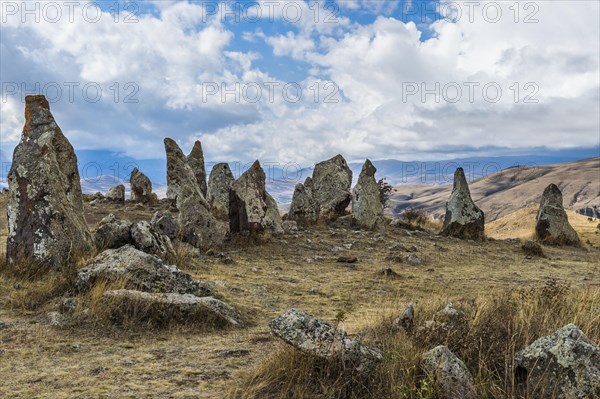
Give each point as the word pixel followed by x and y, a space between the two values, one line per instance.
pixel 324 271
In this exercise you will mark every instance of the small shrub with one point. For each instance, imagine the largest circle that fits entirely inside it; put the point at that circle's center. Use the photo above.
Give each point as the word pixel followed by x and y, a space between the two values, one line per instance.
pixel 385 192
pixel 414 217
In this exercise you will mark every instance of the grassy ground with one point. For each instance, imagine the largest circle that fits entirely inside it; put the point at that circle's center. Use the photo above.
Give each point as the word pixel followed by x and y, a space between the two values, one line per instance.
pixel 38 360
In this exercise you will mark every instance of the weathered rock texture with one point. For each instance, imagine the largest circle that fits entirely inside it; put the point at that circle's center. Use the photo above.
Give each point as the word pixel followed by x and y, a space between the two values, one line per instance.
pixel 332 180
pixel 304 208
pixel 196 162
pixel 112 232
pixel 449 373
pixel 138 271
pixel 197 225
pixel 141 187
pixel 564 365
pixel 463 218
pixel 116 194
pixel 319 338
pixel 251 207
pixel 219 185
pixel 148 240
pixel 552 223
pixel 46 223
pixel 165 223
pixel 161 308
pixel 367 210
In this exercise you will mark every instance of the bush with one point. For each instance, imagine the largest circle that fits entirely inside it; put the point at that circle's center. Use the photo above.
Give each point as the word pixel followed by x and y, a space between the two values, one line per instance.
pixel 415 217
pixel 385 192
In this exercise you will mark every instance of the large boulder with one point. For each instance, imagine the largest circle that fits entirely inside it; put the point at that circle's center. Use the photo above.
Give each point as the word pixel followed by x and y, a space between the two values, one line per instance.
pixel 463 218
pixel 332 180
pixel 367 210
pixel 112 232
pixel 251 207
pixel 150 241
pixel 138 270
pixel 552 223
pixel 116 194
pixel 46 223
pixel 219 185
pixel 320 338
pixel 162 308
pixel 165 223
pixel 141 187
pixel 449 374
pixel 563 365
pixel 304 208
pixel 197 225
pixel 196 161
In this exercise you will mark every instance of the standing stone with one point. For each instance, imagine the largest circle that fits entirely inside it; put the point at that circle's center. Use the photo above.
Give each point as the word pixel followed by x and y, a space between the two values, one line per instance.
pixel 332 180
pixel 251 207
pixel 552 223
pixel 45 207
pixel 197 225
pixel 463 218
pixel 367 210
pixel 141 187
pixel 219 185
pixel 449 374
pixel 563 365
pixel 116 194
pixel 304 208
pixel 196 162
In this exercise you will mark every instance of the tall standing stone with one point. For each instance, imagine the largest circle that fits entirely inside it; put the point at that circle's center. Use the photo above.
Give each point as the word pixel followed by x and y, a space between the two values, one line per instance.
pixel 45 209
pixel 251 207
pixel 219 185
pixel 367 210
pixel 463 218
pixel 304 208
pixel 332 180
pixel 197 225
pixel 552 223
pixel 196 162
pixel 141 187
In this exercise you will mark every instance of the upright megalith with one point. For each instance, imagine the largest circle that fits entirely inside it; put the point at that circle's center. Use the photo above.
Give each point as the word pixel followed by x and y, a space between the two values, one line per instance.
pixel 219 185
pixel 251 207
pixel 304 209
pixel 196 162
pixel 552 223
pixel 45 208
pixel 332 180
pixel 197 225
pixel 367 210
pixel 463 218
pixel 141 187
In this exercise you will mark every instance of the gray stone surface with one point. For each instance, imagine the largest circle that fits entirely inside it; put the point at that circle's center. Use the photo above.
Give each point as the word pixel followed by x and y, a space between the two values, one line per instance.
pixel 112 232
pixel 141 187
pixel 196 161
pixel 332 180
pixel 46 222
pixel 219 185
pixel 165 223
pixel 552 223
pixel 150 241
pixel 116 194
pixel 449 374
pixel 463 218
pixel 304 208
pixel 367 210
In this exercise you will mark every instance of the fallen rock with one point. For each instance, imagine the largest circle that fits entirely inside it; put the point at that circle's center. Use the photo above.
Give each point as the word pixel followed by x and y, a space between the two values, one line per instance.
pixel 251 207
pixel 532 248
pixel 165 223
pixel 148 240
pixel 116 194
pixel 46 223
pixel 367 210
pixel 196 161
pixel 112 232
pixel 219 185
pixel 563 365
pixel 347 259
pixel 290 226
pixel 463 218
pixel 141 187
pixel 449 374
pixel 319 338
pixel 552 223
pixel 407 318
pixel 331 187
pixel 140 271
pixel 304 209
pixel 389 272
pixel 162 308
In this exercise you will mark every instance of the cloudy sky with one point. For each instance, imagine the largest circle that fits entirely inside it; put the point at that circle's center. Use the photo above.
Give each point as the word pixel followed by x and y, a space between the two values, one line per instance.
pixel 295 81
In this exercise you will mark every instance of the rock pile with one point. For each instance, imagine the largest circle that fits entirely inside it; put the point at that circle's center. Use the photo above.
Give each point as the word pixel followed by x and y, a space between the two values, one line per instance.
pixel 463 218
pixel 552 223
pixel 46 223
pixel 367 209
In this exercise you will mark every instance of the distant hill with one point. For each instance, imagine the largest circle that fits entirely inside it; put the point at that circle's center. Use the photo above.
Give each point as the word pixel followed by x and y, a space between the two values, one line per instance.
pixel 509 190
